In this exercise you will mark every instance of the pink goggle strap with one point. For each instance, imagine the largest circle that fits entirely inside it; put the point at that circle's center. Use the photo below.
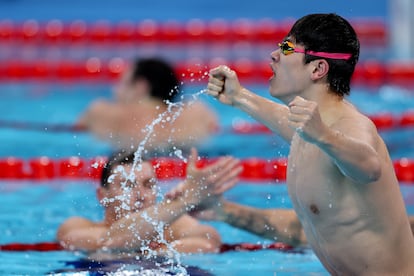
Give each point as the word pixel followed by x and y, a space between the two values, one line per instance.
pixel 325 54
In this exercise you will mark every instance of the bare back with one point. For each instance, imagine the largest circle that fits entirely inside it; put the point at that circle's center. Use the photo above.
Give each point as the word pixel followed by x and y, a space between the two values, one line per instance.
pixel 126 125
pixel 354 228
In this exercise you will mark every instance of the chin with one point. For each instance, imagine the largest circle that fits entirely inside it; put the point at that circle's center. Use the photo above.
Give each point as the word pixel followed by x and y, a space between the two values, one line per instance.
pixel 273 86
pixel 278 94
pixel 274 91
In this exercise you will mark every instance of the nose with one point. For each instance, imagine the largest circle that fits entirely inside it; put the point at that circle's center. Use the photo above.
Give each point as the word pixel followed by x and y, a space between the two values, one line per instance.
pixel 134 201
pixel 134 196
pixel 275 55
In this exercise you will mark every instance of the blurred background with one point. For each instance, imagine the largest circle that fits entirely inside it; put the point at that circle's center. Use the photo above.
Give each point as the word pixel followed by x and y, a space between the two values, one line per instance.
pixel 197 19
pixel 56 57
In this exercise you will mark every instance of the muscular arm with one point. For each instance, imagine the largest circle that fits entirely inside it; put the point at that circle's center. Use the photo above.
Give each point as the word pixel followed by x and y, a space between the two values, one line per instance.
pixel 345 135
pixel 270 113
pixel 355 152
pixel 224 86
pixel 276 224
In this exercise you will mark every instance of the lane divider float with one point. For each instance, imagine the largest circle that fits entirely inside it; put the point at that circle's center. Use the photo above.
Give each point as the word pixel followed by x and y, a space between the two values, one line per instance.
pixel 75 168
pixel 225 247
pixel 97 70
pixel 219 30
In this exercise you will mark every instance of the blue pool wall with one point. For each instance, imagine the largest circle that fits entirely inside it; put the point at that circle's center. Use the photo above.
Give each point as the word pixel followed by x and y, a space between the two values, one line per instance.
pixel 184 9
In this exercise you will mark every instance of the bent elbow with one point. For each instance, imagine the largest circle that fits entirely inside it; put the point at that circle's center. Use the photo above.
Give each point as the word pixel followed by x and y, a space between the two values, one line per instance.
pixel 375 175
pixel 371 171
pixel 374 170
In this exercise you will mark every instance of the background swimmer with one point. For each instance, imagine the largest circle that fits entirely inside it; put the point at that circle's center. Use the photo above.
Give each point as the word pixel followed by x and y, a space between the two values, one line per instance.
pixel 141 96
pixel 134 220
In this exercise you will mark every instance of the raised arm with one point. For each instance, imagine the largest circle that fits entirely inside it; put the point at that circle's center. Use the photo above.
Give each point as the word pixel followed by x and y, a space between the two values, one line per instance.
pixel 224 85
pixel 199 187
pixel 352 142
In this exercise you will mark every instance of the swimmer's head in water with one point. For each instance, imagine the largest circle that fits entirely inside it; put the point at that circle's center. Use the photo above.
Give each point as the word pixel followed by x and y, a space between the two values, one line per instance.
pixel 117 160
pixel 125 186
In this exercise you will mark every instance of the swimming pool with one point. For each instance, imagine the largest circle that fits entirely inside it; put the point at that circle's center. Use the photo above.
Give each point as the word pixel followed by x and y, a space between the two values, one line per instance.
pixel 31 213
pixel 31 209
pixel 35 116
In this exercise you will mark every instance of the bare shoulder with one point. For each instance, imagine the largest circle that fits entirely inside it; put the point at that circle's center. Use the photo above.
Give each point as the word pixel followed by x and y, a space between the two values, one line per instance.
pixel 97 109
pixel 76 223
pixel 100 105
pixel 198 107
pixel 355 124
pixel 197 112
pixel 71 224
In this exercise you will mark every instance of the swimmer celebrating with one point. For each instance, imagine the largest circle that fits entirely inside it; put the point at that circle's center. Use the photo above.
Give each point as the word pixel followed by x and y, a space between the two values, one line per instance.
pixel 133 218
pixel 340 176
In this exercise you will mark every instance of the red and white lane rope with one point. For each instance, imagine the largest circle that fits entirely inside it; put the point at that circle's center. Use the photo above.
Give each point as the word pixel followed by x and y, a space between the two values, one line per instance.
pixel 368 73
pixel 75 168
pixel 371 32
pixel 225 247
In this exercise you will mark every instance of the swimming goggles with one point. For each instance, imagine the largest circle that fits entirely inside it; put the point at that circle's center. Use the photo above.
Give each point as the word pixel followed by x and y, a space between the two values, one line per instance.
pixel 287 48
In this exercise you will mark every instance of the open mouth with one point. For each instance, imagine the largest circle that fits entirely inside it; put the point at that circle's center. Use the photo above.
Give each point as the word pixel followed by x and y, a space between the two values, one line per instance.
pixel 274 73
pixel 273 70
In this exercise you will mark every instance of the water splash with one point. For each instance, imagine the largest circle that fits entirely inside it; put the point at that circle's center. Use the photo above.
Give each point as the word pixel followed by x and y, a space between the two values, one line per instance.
pixel 165 117
pixel 173 261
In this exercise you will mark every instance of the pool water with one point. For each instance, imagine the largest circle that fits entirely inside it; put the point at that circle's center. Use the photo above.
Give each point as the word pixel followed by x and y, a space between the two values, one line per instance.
pixel 43 107
pixel 31 211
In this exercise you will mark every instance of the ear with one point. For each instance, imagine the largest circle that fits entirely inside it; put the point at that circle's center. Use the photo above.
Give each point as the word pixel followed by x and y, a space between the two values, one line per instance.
pixel 320 69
